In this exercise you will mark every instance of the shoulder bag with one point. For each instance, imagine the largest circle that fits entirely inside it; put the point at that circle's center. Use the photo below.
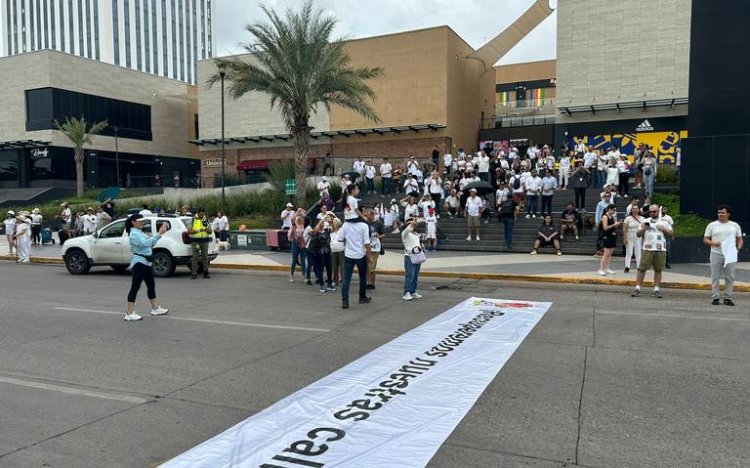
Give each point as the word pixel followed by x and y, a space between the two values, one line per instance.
pixel 417 257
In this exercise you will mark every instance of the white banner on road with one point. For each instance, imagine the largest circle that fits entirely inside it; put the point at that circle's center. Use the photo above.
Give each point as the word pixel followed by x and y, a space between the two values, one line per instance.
pixel 393 407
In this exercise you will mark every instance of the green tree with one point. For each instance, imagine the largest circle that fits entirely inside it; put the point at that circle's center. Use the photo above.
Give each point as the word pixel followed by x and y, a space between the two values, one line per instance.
pixel 298 64
pixel 79 133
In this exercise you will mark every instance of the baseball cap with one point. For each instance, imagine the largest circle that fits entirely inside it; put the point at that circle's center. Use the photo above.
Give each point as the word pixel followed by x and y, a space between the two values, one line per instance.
pixel 289 205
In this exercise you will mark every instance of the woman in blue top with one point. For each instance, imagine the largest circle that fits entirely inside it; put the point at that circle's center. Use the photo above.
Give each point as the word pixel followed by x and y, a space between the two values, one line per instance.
pixel 140 265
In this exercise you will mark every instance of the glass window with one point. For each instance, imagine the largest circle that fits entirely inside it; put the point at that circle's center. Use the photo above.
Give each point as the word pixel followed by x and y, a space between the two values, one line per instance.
pixel 116 29
pixel 126 12
pixel 96 30
pixel 113 230
pixel 81 49
pixel 9 165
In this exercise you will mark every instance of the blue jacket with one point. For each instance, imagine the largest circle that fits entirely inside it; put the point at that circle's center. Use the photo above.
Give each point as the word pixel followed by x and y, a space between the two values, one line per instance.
pixel 140 246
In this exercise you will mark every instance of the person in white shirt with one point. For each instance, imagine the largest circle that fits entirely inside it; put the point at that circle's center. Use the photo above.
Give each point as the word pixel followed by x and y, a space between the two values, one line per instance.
pixel 715 235
pixel 370 177
pixel 549 185
pixel 215 227
pixel 580 146
pixel 89 222
pixel 10 231
pixel 431 221
pixel 434 187
pixel 411 185
pixel 633 243
pixel 412 245
pixel 337 253
pixel 411 208
pixel 654 231
pixel 533 187
pixel 324 187
pixel 613 154
pixel 412 166
pixel 22 236
pixel 472 211
pixel 447 162
pixel 564 171
pixel 515 184
pixel 623 171
pixel 589 159
pixel 601 169
pixel 502 194
pixel 67 219
pixel 483 167
pixel 36 226
pixel 352 212
pixel 386 178
pixel 451 204
pixel 426 204
pixel 286 216
pixel 678 159
pixel 359 166
pixel 356 239
pixel 223 238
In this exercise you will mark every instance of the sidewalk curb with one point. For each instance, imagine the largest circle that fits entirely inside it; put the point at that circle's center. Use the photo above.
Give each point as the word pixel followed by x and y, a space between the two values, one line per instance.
pixel 456 275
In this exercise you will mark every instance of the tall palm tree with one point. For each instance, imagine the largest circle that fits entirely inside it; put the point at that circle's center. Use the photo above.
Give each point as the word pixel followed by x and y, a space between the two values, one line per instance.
pixel 79 133
pixel 300 67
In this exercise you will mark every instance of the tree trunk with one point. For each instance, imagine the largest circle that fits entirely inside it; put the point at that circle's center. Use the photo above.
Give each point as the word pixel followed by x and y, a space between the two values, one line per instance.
pixel 79 172
pixel 301 145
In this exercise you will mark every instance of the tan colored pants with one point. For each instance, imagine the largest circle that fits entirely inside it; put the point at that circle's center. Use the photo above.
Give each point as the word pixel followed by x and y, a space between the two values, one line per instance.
pixel 199 249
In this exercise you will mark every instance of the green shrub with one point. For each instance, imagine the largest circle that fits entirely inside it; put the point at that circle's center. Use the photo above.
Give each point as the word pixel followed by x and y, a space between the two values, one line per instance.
pixel 685 224
pixel 667 174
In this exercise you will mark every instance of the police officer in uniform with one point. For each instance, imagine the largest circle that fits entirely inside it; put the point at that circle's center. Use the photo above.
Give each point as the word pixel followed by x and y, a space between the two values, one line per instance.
pixel 200 234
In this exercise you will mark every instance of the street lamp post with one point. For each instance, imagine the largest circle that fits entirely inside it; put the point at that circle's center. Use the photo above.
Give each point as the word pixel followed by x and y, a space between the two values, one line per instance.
pixel 222 73
pixel 117 158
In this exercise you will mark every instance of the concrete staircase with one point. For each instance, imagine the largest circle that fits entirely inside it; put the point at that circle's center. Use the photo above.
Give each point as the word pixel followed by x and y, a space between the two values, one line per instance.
pixel 453 232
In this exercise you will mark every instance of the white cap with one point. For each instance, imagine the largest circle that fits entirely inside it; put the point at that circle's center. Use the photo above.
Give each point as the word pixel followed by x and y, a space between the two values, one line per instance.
pixel 289 205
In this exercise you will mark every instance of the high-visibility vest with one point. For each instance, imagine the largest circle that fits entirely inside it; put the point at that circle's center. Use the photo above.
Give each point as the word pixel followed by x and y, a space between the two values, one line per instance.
pixel 198 229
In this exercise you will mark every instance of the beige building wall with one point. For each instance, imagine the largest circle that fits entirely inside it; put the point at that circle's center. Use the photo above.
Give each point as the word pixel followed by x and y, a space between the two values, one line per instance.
pixel 528 71
pixel 248 115
pixel 612 51
pixel 171 113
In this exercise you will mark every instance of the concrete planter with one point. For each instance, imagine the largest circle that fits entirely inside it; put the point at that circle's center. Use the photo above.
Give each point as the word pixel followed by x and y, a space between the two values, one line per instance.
pixel 254 239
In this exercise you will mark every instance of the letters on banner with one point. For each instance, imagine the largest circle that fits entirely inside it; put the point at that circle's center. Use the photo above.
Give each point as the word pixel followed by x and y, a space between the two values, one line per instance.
pixel 393 407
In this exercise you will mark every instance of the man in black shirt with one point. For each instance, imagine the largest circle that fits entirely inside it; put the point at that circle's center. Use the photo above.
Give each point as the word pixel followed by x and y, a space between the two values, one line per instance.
pixel 569 221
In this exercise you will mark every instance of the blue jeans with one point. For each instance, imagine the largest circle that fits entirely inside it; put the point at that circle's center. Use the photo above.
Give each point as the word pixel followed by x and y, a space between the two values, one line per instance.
pixel 411 275
pixel 547 204
pixel 299 257
pixel 649 179
pixel 310 264
pixel 601 178
pixel 349 264
pixel 532 203
pixel 386 187
pixel 370 184
pixel 323 264
pixel 509 222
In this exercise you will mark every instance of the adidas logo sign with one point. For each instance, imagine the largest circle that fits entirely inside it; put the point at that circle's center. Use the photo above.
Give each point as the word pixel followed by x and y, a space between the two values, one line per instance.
pixel 645 126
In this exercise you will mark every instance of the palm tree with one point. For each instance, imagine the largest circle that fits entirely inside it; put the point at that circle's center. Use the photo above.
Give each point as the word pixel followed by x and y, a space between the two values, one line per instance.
pixel 79 133
pixel 300 67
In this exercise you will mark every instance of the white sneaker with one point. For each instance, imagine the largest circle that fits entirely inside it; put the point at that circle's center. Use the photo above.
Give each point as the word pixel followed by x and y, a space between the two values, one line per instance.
pixel 478 238
pixel 407 297
pixel 602 273
pixel 291 279
pixel 416 295
pixel 132 317
pixel 396 231
pixel 159 311
pixel 468 238
pixel 610 272
pixel 528 216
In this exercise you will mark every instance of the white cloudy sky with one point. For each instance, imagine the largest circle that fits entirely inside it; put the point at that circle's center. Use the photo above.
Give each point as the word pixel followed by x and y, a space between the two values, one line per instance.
pixel 475 20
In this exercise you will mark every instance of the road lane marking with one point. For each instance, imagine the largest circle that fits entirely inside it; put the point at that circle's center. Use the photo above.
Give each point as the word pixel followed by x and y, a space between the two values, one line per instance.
pixel 73 390
pixel 198 320
pixel 677 316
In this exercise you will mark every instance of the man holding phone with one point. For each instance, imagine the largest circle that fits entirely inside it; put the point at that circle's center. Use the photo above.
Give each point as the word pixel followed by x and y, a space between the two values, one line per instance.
pixel 654 231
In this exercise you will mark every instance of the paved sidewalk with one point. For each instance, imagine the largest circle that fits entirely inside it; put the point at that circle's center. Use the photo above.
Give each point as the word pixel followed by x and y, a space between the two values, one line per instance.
pixel 575 269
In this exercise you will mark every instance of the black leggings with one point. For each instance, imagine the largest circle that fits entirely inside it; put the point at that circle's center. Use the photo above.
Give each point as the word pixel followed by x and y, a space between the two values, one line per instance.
pixel 142 273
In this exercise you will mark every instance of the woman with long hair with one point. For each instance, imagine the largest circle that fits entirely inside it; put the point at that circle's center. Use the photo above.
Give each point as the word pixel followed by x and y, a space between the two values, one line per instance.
pixel 320 246
pixel 412 245
pixel 351 205
pixel 608 235
pixel 141 247
pixel 299 252
pixel 337 252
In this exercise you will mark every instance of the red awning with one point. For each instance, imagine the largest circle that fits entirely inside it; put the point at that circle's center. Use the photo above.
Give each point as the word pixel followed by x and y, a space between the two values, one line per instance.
pixel 253 165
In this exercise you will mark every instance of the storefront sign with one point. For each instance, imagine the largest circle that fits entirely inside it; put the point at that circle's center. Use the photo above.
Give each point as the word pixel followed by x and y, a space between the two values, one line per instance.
pixel 38 153
pixel 644 126
pixel 242 240
pixel 394 407
pixel 213 162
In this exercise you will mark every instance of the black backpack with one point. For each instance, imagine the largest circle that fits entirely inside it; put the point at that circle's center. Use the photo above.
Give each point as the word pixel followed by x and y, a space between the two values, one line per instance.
pixel 506 209
pixel 516 182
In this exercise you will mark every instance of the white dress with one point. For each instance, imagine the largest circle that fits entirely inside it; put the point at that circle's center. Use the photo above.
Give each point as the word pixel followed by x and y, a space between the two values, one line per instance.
pixel 431 227
pixel 613 176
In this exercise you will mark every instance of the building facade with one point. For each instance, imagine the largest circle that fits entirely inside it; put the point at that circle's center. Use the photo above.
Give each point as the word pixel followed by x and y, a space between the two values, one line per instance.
pixel 162 37
pixel 150 120
pixel 430 96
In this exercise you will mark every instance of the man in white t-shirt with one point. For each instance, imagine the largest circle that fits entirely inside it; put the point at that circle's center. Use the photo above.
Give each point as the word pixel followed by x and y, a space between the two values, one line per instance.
pixel 654 230
pixel 286 216
pixel 533 187
pixel 472 212
pixel 716 234
pixel 370 177
pixel 324 187
pixel 356 239
pixel 483 167
pixel 89 222
pixel 451 204
pixel 386 178
pixel 359 166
